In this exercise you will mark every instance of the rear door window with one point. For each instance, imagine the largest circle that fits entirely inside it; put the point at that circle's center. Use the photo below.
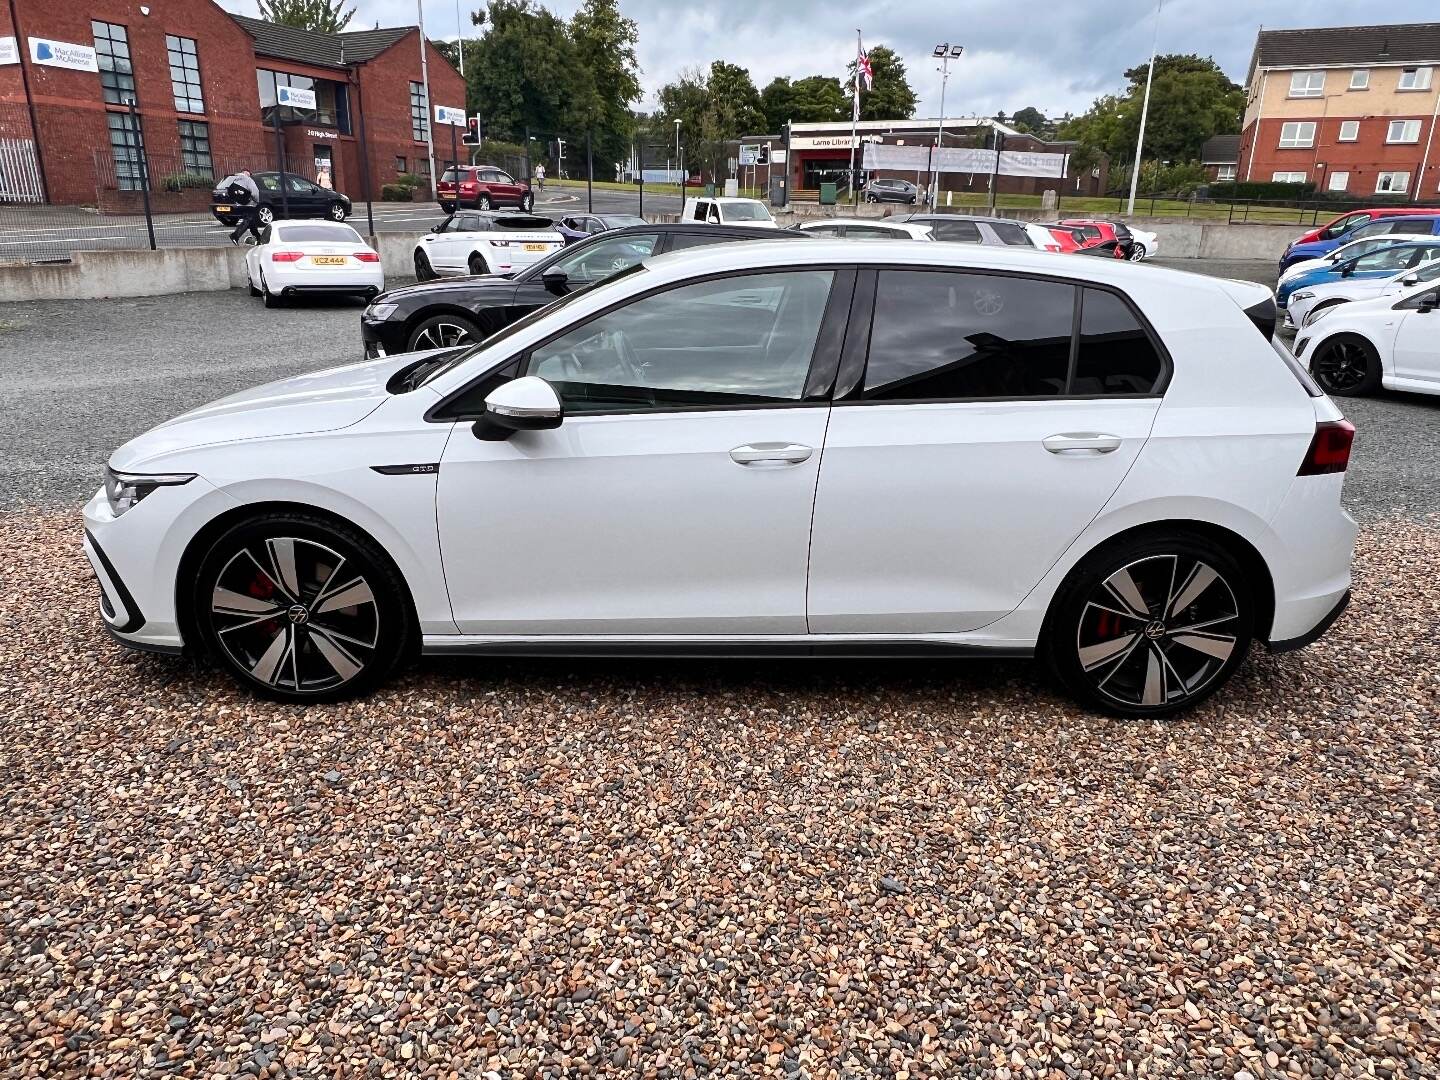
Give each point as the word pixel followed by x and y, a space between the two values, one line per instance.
pixel 963 232
pixel 1011 234
pixel 1114 354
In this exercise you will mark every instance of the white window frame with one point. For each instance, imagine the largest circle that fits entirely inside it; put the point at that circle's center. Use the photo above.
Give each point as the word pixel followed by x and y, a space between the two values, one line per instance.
pixel 1303 135
pixel 1353 126
pixel 1420 80
pixel 1291 177
pixel 1360 79
pixel 1339 181
pixel 1406 127
pixel 1381 189
pixel 1225 172
pixel 1302 84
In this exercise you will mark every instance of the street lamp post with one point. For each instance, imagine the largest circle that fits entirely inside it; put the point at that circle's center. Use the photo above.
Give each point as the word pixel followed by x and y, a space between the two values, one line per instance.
pixel 677 159
pixel 1144 111
pixel 946 52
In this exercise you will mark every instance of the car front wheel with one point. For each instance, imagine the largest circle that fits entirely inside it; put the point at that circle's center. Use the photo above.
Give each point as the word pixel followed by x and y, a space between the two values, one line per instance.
pixel 1346 366
pixel 299 608
pixel 1150 626
pixel 442 332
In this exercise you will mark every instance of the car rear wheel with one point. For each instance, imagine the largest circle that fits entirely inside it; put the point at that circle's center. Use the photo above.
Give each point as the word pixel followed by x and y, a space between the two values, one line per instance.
pixel 299 608
pixel 478 264
pixel 423 270
pixel 483 203
pixel 1346 366
pixel 442 332
pixel 1137 252
pixel 527 202
pixel 338 212
pixel 271 300
pixel 1150 626
pixel 265 214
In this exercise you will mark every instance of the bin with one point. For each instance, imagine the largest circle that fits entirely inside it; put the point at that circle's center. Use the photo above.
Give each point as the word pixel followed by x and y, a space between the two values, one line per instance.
pixel 827 194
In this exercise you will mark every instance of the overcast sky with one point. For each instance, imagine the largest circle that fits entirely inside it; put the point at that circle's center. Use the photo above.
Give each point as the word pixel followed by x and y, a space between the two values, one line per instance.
pixel 1057 56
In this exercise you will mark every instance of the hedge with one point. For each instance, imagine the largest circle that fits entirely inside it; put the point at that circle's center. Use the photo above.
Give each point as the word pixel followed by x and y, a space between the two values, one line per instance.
pixel 397 193
pixel 1243 189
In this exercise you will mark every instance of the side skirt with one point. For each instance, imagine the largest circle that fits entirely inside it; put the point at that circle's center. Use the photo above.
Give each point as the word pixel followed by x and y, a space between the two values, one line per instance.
pixel 712 648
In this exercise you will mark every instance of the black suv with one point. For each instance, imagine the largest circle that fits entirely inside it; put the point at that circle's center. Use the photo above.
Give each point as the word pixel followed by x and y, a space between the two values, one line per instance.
pixel 459 311
pixel 302 199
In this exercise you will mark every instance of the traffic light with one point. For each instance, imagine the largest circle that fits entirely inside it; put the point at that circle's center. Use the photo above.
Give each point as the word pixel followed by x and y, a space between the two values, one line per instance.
pixel 472 131
pixel 762 156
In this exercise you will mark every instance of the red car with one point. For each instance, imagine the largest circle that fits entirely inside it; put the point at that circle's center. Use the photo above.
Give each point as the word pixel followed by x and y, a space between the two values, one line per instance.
pixel 1345 222
pixel 1097 234
pixel 482 187
pixel 1067 240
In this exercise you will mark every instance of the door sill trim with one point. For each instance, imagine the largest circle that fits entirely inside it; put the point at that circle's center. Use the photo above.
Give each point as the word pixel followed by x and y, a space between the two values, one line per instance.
pixel 722 648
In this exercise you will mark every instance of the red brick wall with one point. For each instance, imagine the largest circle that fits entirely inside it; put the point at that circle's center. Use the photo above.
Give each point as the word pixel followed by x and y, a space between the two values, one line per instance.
pixel 1362 159
pixel 385 85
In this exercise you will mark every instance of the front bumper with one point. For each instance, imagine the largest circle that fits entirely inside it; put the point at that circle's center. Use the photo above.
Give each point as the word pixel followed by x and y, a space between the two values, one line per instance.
pixel 382 339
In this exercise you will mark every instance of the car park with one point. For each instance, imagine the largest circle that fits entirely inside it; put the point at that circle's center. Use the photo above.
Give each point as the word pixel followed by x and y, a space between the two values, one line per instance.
pixel 314 258
pixel 575 227
pixel 1352 219
pixel 1412 225
pixel 885 189
pixel 964 229
pixel 481 187
pixel 484 242
pixel 297 197
pixel 719 210
pixel 1390 341
pixel 866 229
pixel 767 449
pixel 1382 263
pixel 461 311
pixel 1306 304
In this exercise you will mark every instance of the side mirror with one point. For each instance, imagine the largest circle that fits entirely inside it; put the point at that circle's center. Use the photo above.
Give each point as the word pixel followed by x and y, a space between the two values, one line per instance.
pixel 556 281
pixel 437 228
pixel 1410 279
pixel 1427 305
pixel 527 404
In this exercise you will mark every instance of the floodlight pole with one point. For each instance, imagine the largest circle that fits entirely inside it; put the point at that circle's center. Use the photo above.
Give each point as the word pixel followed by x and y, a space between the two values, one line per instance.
pixel 944 52
pixel 1144 112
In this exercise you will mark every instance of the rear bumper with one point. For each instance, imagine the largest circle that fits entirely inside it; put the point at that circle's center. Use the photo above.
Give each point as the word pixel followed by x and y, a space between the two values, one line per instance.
pixel 330 290
pixel 1316 632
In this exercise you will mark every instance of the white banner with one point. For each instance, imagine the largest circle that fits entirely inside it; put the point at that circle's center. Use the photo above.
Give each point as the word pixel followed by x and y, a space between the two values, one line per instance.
pixel 444 114
pixel 828 142
pixel 9 50
pixel 953 159
pixel 63 54
pixel 295 97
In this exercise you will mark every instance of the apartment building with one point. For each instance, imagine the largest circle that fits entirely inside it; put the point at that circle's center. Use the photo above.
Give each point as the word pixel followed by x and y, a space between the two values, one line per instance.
pixel 1351 109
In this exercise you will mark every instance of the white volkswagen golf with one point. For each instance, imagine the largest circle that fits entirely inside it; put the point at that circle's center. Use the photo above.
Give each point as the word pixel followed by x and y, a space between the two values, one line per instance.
pixel 854 449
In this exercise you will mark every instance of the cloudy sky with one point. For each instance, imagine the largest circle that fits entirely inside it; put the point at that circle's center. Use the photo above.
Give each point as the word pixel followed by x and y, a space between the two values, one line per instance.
pixel 1057 56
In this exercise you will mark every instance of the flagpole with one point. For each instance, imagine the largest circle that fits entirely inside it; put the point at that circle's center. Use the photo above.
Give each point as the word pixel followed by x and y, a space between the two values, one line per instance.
pixel 855 119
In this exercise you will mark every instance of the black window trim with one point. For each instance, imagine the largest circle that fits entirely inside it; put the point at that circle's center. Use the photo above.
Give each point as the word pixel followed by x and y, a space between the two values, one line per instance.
pixel 830 335
pixel 851 395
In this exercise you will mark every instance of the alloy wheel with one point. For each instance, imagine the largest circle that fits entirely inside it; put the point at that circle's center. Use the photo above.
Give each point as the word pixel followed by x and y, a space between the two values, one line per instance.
pixel 1157 631
pixel 441 335
pixel 337 211
pixel 265 215
pixel 295 615
pixel 1137 252
pixel 1341 366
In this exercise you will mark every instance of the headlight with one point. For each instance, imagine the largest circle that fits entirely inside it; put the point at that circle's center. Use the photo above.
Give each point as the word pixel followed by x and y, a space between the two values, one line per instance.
pixel 1319 313
pixel 380 312
pixel 124 490
pixel 1302 295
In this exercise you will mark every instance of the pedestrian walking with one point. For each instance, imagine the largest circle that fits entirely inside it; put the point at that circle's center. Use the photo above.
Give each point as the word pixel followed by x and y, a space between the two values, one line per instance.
pixel 245 196
pixel 540 176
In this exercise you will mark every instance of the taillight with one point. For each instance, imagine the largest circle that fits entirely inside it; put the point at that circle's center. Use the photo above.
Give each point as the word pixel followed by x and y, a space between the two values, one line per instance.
pixel 286 256
pixel 499 243
pixel 1329 449
pixel 367 256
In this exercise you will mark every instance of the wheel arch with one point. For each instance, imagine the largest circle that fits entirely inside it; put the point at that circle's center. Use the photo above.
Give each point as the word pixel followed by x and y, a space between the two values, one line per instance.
pixel 1350 332
pixel 212 530
pixel 431 310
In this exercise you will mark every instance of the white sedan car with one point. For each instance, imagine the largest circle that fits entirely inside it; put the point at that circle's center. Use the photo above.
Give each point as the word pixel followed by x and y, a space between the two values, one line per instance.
pixel 1144 245
pixel 784 449
pixel 485 242
pixel 867 229
pixel 1307 303
pixel 1391 341
pixel 295 258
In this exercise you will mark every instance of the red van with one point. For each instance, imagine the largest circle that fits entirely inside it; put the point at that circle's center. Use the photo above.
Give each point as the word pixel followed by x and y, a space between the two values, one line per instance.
pixel 1345 221
pixel 481 187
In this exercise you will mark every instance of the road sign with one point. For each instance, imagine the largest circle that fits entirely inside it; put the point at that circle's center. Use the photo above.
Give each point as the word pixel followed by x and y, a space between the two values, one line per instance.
pixel 749 153
pixel 295 97
pixel 444 114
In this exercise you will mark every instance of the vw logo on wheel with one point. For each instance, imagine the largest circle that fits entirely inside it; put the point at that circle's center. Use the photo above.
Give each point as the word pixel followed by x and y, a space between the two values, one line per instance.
pixel 298 614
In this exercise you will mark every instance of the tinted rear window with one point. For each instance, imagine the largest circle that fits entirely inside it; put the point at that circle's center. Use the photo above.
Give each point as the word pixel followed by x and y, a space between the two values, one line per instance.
pixel 1114 355
pixel 1011 234
pixel 319 234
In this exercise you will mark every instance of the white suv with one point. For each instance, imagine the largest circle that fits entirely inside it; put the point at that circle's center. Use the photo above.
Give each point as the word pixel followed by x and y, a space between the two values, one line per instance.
pixel 826 448
pixel 485 242
pixel 728 211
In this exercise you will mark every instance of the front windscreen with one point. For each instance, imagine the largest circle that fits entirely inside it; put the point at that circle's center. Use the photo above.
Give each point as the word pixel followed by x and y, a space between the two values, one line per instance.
pixel 744 212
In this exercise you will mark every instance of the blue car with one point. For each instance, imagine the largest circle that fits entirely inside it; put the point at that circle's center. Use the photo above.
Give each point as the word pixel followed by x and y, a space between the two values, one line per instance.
pixel 576 227
pixel 1385 262
pixel 1412 225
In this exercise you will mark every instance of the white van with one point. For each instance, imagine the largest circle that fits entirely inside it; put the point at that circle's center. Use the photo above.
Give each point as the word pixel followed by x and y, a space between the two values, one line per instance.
pixel 723 211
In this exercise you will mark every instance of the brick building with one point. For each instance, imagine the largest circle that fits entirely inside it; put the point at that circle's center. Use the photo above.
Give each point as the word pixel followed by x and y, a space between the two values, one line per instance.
pixel 1349 108
pixel 205 84
pixel 1220 157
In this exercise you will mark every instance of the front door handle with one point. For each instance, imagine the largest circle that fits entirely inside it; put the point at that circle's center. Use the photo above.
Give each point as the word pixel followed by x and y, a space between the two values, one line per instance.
pixel 774 454
pixel 1077 443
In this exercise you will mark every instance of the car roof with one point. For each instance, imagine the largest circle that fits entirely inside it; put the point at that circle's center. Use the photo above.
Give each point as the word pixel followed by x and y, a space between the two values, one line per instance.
pixel 724 199
pixel 926 219
pixel 749 232
pixel 862 221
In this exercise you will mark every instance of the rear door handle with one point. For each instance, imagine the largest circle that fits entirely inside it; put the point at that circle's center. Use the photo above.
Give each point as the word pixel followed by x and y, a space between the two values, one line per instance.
pixel 1077 443
pixel 771 454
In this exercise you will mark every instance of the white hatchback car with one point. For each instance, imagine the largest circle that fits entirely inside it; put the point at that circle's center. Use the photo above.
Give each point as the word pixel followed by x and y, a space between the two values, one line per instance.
pixel 850 449
pixel 485 242
pixel 1391 341
pixel 295 258
pixel 866 229
pixel 1306 304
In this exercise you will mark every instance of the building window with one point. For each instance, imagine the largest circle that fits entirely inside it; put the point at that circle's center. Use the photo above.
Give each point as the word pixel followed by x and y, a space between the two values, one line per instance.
pixel 1339 181
pixel 1297 133
pixel 1225 172
pixel 1360 79
pixel 1403 131
pixel 1307 84
pixel 1287 178
pixel 127 148
pixel 184 74
pixel 419 112
pixel 400 165
pixel 1414 78
pixel 1392 183
pixel 332 103
pixel 195 147
pixel 1349 130
pixel 112 51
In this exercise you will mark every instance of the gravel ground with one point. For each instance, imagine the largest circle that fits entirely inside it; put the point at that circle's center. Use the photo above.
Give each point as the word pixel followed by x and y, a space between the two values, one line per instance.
pixel 682 870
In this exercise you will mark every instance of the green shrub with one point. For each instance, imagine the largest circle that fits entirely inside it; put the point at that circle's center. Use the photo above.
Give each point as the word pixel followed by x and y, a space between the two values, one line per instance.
pixel 411 180
pixel 1245 189
pixel 186 180
pixel 397 193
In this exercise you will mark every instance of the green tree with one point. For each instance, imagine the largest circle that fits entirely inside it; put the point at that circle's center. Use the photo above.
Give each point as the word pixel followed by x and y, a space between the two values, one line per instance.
pixel 818 99
pixel 734 100
pixel 326 16
pixel 1030 119
pixel 713 107
pixel 605 44
pixel 528 72
pixel 890 96
pixel 777 102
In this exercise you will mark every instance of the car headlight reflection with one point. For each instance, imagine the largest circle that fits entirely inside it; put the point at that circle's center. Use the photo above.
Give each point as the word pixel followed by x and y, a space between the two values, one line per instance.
pixel 1315 316
pixel 124 490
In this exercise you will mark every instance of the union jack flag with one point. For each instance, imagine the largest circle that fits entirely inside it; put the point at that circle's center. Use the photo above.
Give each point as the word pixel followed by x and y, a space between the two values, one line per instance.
pixel 864 70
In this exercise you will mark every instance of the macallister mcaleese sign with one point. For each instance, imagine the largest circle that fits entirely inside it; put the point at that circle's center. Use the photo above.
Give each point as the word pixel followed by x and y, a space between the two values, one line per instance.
pixel 63 54
pixel 9 50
